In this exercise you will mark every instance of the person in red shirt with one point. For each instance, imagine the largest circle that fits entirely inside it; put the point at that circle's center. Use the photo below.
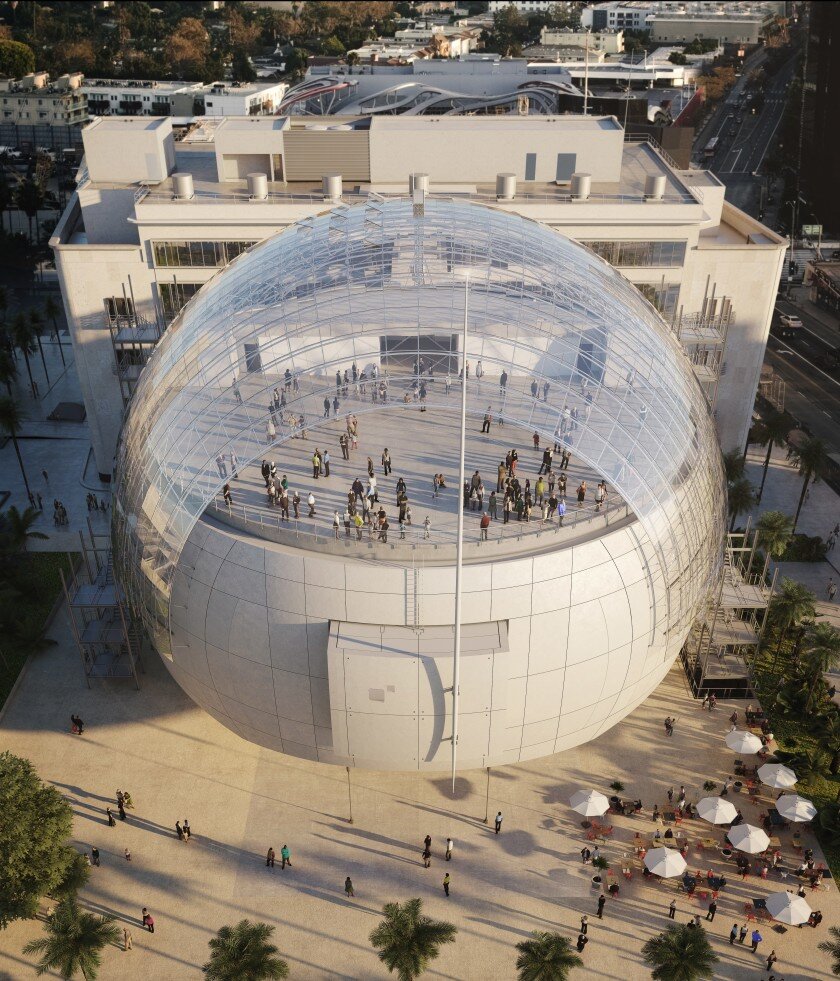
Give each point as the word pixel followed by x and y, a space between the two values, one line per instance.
pixel 485 524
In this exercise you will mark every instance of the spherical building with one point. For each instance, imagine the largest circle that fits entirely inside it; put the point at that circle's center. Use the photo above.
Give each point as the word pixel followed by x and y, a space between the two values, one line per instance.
pixel 329 636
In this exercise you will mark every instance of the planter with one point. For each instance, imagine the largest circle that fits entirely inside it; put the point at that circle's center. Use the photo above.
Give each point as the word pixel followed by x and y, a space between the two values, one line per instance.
pixel 596 881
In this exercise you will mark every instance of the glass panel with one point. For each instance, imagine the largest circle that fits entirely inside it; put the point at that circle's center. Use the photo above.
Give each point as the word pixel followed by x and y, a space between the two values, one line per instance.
pixel 635 254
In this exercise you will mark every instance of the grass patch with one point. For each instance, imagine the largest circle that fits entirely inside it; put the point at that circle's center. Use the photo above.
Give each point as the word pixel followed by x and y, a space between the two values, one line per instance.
pixel 35 576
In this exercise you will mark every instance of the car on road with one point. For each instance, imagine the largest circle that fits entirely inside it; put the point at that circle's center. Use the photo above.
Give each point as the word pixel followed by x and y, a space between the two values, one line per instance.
pixel 790 320
pixel 787 325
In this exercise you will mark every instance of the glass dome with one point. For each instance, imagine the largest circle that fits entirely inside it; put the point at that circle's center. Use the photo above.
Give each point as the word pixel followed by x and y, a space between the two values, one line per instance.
pixel 382 283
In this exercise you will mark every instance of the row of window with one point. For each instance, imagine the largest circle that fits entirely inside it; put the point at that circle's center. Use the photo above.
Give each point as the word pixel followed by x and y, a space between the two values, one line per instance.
pixel 197 254
pixel 639 253
pixel 175 296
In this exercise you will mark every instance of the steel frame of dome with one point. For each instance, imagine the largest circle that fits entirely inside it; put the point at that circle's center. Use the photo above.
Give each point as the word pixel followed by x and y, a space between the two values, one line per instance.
pixel 333 288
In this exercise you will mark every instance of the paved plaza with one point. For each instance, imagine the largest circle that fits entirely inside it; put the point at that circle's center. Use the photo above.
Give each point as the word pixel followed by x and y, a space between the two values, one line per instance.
pixel 178 762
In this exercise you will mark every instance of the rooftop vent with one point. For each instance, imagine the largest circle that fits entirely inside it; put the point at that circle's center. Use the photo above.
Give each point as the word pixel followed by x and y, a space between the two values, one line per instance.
pixel 418 182
pixel 257 187
pixel 655 187
pixel 505 187
pixel 581 186
pixel 182 187
pixel 332 185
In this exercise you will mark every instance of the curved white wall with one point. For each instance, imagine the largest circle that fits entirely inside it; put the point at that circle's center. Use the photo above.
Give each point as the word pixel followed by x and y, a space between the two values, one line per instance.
pixel 251 644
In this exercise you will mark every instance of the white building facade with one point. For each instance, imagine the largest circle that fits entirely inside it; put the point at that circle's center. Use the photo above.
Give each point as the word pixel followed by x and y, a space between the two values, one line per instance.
pixel 137 240
pixel 137 97
pixel 35 100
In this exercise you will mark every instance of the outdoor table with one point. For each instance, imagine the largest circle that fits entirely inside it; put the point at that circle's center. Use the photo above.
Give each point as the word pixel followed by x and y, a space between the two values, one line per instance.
pixel 711 843
pixel 774 842
pixel 689 882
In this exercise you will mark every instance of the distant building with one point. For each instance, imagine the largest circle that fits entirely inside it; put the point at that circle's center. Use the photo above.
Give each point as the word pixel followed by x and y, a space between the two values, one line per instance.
pixel 609 41
pixel 528 6
pixel 668 21
pixel 138 97
pixel 727 28
pixel 821 150
pixel 34 100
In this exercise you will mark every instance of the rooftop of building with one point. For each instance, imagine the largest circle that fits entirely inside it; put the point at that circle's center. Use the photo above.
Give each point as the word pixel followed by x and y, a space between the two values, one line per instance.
pixel 174 86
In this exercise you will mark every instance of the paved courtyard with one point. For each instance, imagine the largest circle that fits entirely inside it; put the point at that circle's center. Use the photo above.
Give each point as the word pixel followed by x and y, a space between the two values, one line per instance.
pixel 178 762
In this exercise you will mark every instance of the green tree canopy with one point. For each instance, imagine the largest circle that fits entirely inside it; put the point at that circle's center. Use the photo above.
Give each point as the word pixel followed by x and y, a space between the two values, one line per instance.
pixel 16 59
pixel 242 69
pixel 546 957
pixel 774 531
pixel 407 940
pixel 36 822
pixel 681 953
pixel 74 941
pixel 243 953
pixel 832 948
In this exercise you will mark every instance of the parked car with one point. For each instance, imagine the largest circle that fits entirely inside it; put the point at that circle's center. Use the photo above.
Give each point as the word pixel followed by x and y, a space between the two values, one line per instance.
pixel 790 320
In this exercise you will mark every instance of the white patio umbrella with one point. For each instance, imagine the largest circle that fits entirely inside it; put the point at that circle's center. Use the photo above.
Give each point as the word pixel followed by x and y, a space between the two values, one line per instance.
pixel 716 810
pixel 748 838
pixel 796 808
pixel 589 803
pixel 743 742
pixel 776 775
pixel 787 907
pixel 666 862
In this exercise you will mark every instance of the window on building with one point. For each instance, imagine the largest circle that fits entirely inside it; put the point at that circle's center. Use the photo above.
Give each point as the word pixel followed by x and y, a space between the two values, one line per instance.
pixel 175 296
pixel 202 255
pixel 662 295
pixel 118 308
pixel 668 254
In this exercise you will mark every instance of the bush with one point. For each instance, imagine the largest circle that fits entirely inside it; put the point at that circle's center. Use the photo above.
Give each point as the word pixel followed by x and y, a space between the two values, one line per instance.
pixel 805 548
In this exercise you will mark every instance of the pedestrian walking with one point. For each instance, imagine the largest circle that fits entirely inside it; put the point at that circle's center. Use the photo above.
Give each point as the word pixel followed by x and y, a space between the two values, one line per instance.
pixel 733 933
pixel 311 502
pixel 582 941
pixel 584 924
pixel 285 857
pixel 742 933
pixel 756 939
pixel 672 910
pixel 446 880
pixel 485 426
pixel 325 462
pixel 498 822
pixel 449 846
pixel 712 910
pixel 179 831
pixel 148 920
pixel 110 814
pixel 585 854
pixel 771 959
pixel 831 590
pixel 187 832
pixel 127 939
pixel 121 809
pixel 269 859
pixel 348 887
pixel 94 856
pixel 127 855
pixel 336 524
pixel 602 900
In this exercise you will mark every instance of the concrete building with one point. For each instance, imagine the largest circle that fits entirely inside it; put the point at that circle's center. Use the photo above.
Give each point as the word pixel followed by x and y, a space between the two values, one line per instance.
pixel 610 42
pixel 153 221
pixel 476 83
pixel 528 6
pixel 135 97
pixel 35 100
pixel 340 649
pixel 726 27
pixel 821 136
pixel 677 21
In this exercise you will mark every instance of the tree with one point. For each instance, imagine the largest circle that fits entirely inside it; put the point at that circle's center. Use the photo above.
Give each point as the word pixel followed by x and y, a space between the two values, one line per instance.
pixel 16 59
pixel 243 953
pixel 36 824
pixel 677 58
pixel 30 199
pixel 332 46
pixel 812 460
pixel 774 530
pixel 546 957
pixel 15 528
pixel 733 466
pixel 36 323
pixel 822 653
pixel 681 953
pixel 789 607
pixel 52 310
pixel 8 370
pixel 407 940
pixel 829 738
pixel 773 431
pixel 187 48
pixel 242 69
pixel 741 498
pixel 296 62
pixel 22 339
pixel 11 417
pixel 832 948
pixel 509 32
pixel 74 941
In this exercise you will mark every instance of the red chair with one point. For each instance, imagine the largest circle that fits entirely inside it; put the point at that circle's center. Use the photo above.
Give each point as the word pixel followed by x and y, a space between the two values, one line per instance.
pixel 749 911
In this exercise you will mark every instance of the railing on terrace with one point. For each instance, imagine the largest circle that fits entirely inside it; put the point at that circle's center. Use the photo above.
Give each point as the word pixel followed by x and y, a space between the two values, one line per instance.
pixel 318 533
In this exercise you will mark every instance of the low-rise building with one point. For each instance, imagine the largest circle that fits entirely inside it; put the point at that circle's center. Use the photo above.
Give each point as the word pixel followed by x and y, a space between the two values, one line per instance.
pixel 154 220
pixel 35 100
pixel 673 21
pixel 609 41
pixel 144 97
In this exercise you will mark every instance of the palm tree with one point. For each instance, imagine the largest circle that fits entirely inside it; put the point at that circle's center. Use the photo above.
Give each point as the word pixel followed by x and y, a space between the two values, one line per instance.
pixel 11 418
pixel 243 953
pixel 546 957
pixel 74 941
pixel 4 306
pixel 407 940
pixel 789 607
pixel 812 459
pixel 774 529
pixel 36 322
pixel 741 498
pixel 52 310
pixel 822 653
pixel 14 528
pixel 22 338
pixel 30 199
pixel 681 953
pixel 8 369
pixel 832 947
pixel 733 466
pixel 829 738
pixel 773 431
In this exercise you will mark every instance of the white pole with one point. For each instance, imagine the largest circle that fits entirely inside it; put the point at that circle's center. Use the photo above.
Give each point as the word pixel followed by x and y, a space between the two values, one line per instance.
pixel 586 76
pixel 459 547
